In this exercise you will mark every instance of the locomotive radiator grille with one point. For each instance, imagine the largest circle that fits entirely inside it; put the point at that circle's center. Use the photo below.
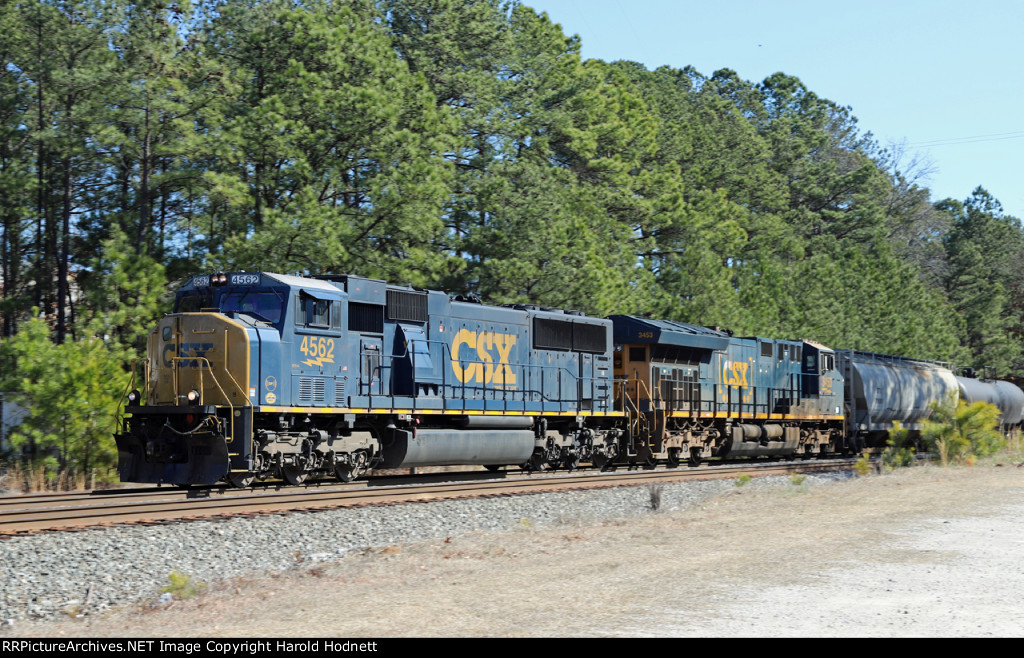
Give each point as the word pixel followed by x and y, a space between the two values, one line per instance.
pixel 311 390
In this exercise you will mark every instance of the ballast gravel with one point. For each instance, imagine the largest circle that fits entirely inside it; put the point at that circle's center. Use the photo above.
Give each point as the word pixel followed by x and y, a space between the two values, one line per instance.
pixel 56 575
pixel 920 552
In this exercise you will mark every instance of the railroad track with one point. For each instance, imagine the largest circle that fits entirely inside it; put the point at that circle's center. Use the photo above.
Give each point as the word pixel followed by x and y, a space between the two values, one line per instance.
pixel 77 510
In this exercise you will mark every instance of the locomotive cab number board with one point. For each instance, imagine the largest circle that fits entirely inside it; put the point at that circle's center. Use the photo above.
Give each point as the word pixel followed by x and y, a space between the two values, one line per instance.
pixel 203 281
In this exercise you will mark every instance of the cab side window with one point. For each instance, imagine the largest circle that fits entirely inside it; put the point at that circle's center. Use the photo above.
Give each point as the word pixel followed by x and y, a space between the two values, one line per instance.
pixel 319 313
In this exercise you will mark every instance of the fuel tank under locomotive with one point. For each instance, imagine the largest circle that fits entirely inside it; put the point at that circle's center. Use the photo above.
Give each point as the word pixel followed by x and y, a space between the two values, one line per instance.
pixel 481 440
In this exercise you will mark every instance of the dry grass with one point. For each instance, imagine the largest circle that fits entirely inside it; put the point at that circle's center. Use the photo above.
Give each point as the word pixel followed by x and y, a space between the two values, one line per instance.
pixel 36 479
pixel 1015 445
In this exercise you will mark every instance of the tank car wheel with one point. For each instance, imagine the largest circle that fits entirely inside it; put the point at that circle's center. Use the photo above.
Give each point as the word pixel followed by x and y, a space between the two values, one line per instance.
pixel 294 475
pixel 695 458
pixel 241 480
pixel 494 468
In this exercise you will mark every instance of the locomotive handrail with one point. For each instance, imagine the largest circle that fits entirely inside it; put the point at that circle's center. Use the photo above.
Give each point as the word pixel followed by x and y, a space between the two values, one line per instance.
pixel 767 400
pixel 763 399
pixel 209 367
pixel 525 369
pixel 119 413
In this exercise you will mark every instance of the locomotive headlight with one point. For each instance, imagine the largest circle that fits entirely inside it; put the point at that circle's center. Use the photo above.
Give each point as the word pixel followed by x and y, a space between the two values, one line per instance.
pixel 193 395
pixel 219 279
pixel 134 397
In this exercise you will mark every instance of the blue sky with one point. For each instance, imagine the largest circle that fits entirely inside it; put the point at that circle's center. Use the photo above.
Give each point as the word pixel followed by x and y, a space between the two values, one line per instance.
pixel 943 77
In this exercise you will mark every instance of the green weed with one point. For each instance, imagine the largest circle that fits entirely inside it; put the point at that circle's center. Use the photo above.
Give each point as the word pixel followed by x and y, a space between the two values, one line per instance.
pixel 182 587
pixel 863 465
pixel 898 452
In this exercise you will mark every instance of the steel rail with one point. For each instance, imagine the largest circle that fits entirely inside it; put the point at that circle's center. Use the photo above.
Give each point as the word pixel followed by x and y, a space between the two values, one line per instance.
pixel 48 512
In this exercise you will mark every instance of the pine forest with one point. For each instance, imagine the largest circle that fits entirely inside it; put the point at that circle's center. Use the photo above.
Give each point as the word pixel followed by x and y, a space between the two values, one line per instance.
pixel 457 145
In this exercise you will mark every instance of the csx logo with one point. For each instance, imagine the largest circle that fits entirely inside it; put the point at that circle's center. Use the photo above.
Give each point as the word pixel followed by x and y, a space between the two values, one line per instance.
pixel 735 374
pixel 480 348
pixel 186 350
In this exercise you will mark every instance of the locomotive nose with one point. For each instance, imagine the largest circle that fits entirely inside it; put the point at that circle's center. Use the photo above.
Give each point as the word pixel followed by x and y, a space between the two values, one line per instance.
pixel 199 358
pixel 197 403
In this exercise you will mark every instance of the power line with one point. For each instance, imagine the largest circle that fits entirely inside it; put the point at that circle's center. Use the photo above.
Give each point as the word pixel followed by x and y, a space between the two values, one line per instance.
pixel 995 137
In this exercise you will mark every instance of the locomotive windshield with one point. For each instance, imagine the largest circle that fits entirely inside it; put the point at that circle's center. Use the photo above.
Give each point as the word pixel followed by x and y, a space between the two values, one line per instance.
pixel 266 306
pixel 262 305
pixel 192 303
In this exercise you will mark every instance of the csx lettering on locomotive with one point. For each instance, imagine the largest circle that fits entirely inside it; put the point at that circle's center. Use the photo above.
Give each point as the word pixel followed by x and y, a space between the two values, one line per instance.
pixel 484 345
pixel 191 351
pixel 735 374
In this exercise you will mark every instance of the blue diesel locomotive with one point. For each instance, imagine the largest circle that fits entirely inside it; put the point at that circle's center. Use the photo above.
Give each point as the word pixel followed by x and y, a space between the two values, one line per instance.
pixel 258 374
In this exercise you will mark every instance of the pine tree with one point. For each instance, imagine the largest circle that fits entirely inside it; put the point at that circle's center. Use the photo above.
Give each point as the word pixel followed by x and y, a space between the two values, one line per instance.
pixel 330 158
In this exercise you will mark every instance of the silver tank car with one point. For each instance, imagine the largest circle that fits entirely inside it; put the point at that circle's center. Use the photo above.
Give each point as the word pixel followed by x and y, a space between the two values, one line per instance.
pixel 1011 403
pixel 1004 395
pixel 883 389
pixel 977 390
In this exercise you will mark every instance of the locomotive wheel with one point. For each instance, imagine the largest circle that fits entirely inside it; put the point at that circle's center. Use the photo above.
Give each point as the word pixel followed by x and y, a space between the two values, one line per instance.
pixel 294 475
pixel 538 462
pixel 673 457
pixel 349 472
pixel 695 457
pixel 346 472
pixel 571 463
pixel 241 480
pixel 650 463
